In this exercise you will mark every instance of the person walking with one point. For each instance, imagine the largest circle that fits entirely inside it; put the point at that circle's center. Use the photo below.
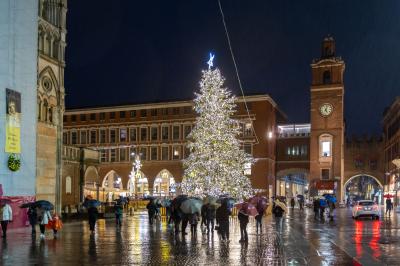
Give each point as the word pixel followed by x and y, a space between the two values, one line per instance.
pixel 292 203
pixel 44 217
pixel 5 217
pixel 118 215
pixel 151 209
pixel 331 206
pixel 32 216
pixel 93 214
pixel 259 217
pixel 204 215
pixel 316 208
pixel 243 221
pixel 389 206
pixel 223 213
pixel 55 224
pixel 278 210
pixel 301 203
pixel 194 219
pixel 322 206
pixel 210 216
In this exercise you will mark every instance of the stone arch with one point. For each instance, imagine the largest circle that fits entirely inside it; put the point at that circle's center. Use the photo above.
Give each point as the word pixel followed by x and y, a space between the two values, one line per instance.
pixel 112 180
pixel 358 175
pixel 141 184
pixel 47 71
pixel 292 181
pixel 91 176
pixel 368 189
pixel 164 183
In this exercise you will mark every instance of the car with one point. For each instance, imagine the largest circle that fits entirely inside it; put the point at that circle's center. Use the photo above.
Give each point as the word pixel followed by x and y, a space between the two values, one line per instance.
pixel 366 208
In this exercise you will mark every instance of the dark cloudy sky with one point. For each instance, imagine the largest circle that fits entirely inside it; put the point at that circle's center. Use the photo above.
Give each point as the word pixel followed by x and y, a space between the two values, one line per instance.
pixel 124 51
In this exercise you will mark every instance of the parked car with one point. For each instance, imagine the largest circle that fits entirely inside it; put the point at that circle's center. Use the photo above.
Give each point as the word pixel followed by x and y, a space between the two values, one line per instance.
pixel 366 208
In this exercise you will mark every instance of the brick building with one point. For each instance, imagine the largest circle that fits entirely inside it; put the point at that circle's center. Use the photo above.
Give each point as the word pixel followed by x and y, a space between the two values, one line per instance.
pixel 158 132
pixel 391 128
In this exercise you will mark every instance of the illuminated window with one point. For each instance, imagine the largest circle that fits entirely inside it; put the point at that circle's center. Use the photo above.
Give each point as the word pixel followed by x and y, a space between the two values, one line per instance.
pixel 123 135
pixel 176 153
pixel 325 145
pixel 247 129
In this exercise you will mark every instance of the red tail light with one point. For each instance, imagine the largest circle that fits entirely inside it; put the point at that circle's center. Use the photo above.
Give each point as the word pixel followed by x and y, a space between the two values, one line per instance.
pixel 359 207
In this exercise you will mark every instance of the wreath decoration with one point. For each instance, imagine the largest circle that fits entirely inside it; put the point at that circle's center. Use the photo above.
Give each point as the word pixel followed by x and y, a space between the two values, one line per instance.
pixel 14 163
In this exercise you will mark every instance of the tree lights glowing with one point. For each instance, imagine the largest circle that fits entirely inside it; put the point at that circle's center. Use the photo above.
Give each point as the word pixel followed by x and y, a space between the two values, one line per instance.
pixel 216 163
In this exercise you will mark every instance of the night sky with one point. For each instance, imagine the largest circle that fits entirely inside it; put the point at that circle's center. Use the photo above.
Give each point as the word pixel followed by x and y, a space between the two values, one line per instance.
pixel 122 52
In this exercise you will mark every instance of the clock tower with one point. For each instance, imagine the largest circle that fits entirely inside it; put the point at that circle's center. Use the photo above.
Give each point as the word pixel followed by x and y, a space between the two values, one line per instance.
pixel 327 122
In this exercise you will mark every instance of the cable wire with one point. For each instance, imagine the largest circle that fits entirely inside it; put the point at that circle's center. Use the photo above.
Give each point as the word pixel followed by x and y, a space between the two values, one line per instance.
pixel 236 68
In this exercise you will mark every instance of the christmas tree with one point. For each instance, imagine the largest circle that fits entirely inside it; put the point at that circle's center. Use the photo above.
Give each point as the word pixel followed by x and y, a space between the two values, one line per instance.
pixel 215 165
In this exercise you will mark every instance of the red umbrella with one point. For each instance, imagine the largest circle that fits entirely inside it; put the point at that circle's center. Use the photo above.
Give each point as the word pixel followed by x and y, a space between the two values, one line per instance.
pixel 247 208
pixel 388 196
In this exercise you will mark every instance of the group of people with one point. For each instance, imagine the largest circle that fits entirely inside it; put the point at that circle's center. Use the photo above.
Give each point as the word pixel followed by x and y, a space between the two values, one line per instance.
pixel 320 205
pixel 36 216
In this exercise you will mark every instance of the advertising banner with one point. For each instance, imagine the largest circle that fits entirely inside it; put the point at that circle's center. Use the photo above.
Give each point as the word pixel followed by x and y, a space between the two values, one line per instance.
pixel 13 122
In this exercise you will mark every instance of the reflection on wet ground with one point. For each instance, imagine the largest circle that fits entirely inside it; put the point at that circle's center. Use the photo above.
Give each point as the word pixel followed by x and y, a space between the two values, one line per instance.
pixel 302 240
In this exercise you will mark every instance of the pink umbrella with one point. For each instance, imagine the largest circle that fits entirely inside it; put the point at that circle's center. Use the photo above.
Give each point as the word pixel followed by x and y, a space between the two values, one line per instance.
pixel 388 196
pixel 247 208
pixel 259 201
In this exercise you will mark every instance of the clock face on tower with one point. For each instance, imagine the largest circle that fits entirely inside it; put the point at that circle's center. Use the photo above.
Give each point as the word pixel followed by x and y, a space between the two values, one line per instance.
pixel 326 109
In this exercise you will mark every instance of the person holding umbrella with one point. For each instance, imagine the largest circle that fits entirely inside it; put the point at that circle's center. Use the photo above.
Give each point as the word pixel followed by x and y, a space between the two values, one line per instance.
pixel 243 221
pixel 44 217
pixel 278 211
pixel 389 205
pixel 5 216
pixel 259 216
pixel 91 205
pixel 32 216
pixel 223 214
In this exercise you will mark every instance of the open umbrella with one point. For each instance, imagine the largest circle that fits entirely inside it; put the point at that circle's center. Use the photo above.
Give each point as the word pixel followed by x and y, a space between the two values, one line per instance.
pixel 166 203
pixel 247 208
pixel 301 197
pixel 191 205
pixel 44 204
pixel 389 196
pixel 281 204
pixel 176 202
pixel 229 201
pixel 91 203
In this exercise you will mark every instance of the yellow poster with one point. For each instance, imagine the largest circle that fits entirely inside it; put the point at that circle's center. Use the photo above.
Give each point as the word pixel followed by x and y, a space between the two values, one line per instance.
pixel 13 122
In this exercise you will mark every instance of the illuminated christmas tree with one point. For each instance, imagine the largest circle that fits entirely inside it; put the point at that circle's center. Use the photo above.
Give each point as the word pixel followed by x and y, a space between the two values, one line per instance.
pixel 216 163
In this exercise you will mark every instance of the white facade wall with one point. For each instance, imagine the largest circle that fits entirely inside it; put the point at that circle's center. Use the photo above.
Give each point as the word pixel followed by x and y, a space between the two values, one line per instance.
pixel 18 71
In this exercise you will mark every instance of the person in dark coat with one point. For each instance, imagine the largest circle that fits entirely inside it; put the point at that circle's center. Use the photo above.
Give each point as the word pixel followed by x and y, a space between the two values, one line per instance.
pixel 259 217
pixel 389 205
pixel 278 212
pixel 223 214
pixel 92 213
pixel 194 219
pixel 210 216
pixel 32 215
pixel 322 206
pixel 316 208
pixel 292 203
pixel 118 209
pixel 176 217
pixel 151 210
pixel 185 221
pixel 204 214
pixel 243 221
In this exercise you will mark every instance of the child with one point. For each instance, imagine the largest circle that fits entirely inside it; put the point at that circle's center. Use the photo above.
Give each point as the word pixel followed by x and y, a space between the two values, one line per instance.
pixel 194 218
pixel 55 224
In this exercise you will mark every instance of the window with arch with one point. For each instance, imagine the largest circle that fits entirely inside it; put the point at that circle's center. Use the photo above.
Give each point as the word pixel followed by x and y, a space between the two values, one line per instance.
pixel 45 108
pixel 326 77
pixel 325 146
pixel 68 185
pixel 51 110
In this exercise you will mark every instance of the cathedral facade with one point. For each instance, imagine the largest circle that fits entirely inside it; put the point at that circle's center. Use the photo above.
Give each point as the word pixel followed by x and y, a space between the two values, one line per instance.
pixel 50 98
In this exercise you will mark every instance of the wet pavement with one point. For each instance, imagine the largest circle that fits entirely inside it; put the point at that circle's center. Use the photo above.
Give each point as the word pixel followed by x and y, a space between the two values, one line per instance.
pixel 302 240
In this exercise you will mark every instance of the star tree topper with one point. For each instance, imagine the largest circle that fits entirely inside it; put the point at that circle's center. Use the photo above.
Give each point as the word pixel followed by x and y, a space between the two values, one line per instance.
pixel 210 62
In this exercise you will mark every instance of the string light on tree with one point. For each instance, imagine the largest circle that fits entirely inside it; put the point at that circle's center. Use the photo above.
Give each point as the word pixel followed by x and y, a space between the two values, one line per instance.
pixel 216 163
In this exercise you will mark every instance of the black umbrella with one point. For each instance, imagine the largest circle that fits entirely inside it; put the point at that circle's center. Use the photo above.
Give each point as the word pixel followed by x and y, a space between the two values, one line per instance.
pixel 28 205
pixel 44 204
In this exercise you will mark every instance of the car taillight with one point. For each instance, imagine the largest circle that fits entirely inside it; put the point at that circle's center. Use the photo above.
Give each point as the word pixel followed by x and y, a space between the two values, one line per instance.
pixel 358 207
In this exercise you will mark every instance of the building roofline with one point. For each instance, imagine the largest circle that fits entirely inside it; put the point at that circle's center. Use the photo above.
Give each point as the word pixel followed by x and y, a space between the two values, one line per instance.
pixel 388 110
pixel 164 104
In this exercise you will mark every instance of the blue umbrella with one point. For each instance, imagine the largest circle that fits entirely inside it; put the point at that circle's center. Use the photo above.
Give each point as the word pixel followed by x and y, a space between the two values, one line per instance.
pixel 44 204
pixel 91 203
